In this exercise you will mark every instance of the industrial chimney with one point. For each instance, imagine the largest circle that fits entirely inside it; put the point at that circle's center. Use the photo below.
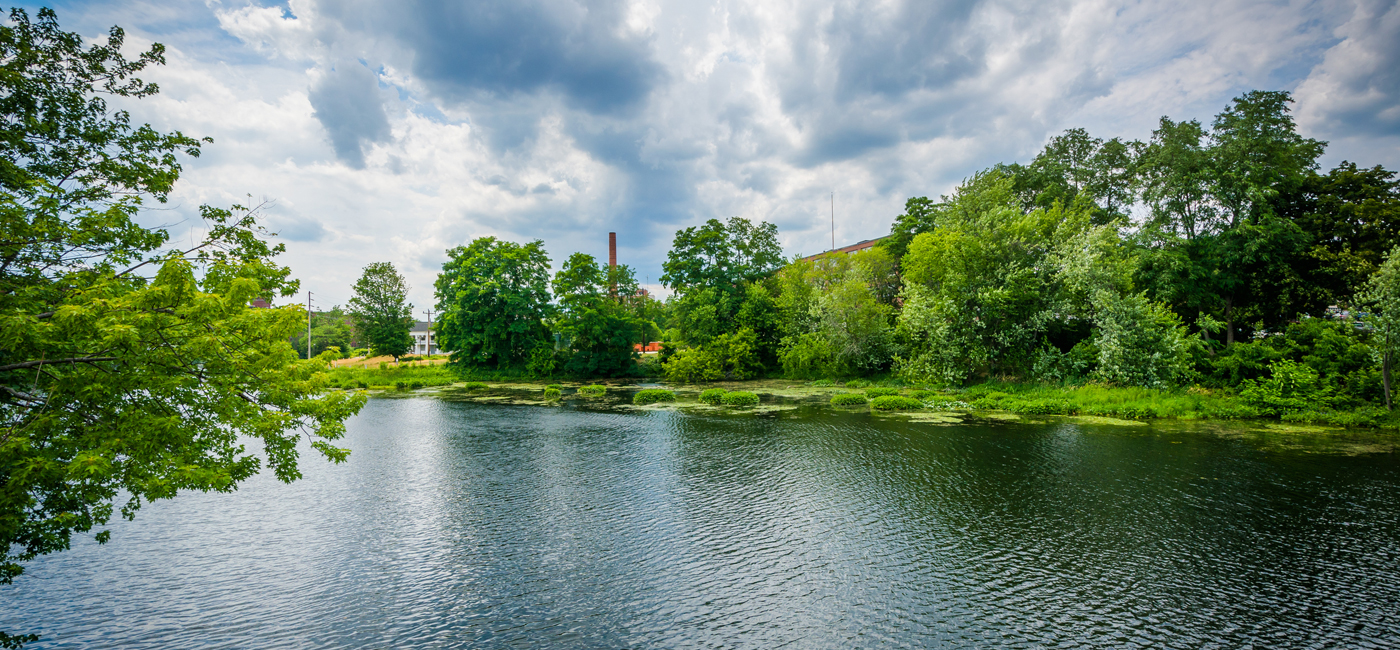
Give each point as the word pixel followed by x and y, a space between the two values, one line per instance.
pixel 612 250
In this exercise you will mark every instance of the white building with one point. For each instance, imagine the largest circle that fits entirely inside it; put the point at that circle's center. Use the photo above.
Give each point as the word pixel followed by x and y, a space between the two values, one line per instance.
pixel 423 342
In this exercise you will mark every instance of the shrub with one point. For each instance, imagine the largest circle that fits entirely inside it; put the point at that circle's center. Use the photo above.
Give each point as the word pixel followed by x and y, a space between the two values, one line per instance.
pixel 410 358
pixel 651 396
pixel 1291 387
pixel 713 396
pixel 858 383
pixel 552 394
pixel 848 399
pixel 880 391
pixel 475 385
pixel 398 385
pixel 692 365
pixel 922 395
pixel 740 398
pixel 415 385
pixel 823 383
pixel 895 403
pixel 596 390
pixel 383 365
pixel 361 384
pixel 554 386
pixel 1042 407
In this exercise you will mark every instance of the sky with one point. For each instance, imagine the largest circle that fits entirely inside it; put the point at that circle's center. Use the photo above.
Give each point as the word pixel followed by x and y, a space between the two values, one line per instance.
pixel 374 132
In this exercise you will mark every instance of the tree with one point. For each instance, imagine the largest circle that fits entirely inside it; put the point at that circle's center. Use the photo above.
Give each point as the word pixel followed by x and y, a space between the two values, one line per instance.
pixel 1256 153
pixel 493 297
pixel 129 369
pixel 596 317
pixel 383 318
pixel 329 329
pixel 1353 216
pixel 709 267
pixel 1383 296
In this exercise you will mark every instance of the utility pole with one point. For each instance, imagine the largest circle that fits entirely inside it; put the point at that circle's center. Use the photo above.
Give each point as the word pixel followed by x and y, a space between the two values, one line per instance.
pixel 833 221
pixel 308 325
pixel 428 345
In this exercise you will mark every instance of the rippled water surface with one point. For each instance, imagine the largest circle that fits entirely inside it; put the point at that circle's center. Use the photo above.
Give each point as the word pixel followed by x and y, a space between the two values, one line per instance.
pixel 464 525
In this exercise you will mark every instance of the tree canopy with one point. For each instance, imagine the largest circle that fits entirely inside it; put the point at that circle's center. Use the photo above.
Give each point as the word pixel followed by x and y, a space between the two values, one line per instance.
pixel 493 297
pixel 130 369
pixel 381 311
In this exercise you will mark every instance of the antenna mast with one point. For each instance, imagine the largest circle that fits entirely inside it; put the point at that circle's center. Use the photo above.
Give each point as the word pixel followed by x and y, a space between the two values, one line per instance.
pixel 308 325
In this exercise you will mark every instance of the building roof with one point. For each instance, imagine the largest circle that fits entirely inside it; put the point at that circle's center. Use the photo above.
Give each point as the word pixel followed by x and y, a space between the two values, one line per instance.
pixel 419 326
pixel 853 248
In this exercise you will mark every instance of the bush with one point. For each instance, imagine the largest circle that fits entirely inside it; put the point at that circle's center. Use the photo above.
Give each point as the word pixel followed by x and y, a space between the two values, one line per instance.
pixel 895 403
pixel 554 386
pixel 1042 407
pixel 651 396
pixel 858 383
pixel 823 383
pixel 848 399
pixel 410 358
pixel 692 365
pixel 552 394
pixel 361 384
pixel 880 391
pixel 415 385
pixel 713 396
pixel 596 390
pixel 740 398
pixel 398 385
pixel 1291 387
pixel 475 385
pixel 922 395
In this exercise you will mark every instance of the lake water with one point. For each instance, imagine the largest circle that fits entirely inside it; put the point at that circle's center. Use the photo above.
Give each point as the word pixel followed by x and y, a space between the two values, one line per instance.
pixel 466 525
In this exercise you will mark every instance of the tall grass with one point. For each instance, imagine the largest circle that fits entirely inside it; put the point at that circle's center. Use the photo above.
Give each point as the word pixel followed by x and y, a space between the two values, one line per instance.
pixel 392 376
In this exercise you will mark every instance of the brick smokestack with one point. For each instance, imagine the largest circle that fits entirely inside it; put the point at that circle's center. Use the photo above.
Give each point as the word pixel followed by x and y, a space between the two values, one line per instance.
pixel 612 250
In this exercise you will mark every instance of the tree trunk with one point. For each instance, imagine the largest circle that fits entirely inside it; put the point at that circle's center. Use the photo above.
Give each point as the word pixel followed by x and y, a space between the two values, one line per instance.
pixel 1229 324
pixel 1385 378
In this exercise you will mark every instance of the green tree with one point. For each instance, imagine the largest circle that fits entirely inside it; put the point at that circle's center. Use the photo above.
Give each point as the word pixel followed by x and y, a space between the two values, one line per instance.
pixel 1353 216
pixel 710 266
pixel 1382 295
pixel 383 318
pixel 329 329
pixel 597 318
pixel 129 369
pixel 1257 153
pixel 493 297
pixel 834 319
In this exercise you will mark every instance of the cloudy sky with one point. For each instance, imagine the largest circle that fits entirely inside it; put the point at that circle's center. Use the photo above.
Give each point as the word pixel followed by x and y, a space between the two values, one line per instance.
pixel 393 131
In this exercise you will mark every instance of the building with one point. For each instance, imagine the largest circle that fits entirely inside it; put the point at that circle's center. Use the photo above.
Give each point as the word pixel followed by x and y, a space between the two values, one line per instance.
pixel 849 250
pixel 423 342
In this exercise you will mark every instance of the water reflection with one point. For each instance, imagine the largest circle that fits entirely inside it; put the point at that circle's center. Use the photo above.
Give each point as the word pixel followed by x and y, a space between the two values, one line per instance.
pixel 462 525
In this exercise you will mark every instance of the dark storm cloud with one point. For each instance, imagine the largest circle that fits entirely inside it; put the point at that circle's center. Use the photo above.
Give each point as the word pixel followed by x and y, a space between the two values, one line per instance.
pixel 913 46
pixel 467 49
pixel 348 105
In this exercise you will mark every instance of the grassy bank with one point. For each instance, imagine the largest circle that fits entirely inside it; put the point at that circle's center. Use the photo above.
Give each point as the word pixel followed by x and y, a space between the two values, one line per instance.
pixel 1144 404
pixel 1020 398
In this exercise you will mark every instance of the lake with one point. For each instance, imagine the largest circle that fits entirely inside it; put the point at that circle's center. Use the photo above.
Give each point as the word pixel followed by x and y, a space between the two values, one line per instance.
pixel 458 524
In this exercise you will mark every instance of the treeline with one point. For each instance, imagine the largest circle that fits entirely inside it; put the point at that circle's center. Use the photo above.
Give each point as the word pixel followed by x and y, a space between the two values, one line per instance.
pixel 1215 255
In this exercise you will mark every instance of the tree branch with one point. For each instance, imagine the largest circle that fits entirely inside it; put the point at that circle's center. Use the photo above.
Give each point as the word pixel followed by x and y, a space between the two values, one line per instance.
pixel 50 362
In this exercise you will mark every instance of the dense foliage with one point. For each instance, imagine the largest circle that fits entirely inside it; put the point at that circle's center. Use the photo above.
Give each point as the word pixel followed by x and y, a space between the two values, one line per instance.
pixel 130 369
pixel 1212 255
pixel 493 297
